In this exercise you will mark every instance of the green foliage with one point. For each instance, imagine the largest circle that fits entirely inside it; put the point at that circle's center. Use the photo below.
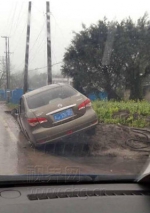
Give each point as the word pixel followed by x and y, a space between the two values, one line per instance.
pixel 110 55
pixel 130 113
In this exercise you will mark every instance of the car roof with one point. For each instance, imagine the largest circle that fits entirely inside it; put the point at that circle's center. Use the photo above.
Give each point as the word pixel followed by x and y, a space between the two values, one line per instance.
pixel 41 89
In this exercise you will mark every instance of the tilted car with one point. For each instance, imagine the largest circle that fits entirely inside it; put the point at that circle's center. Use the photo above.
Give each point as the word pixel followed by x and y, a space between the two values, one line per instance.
pixel 53 112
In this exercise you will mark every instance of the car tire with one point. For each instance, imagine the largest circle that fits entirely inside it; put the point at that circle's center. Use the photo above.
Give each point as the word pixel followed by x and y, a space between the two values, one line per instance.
pixel 34 144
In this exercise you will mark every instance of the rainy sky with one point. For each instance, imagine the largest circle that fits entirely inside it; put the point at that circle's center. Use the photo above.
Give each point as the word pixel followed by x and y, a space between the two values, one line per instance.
pixel 66 16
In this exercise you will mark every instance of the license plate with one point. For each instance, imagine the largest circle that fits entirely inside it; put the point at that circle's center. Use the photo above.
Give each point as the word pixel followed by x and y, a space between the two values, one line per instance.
pixel 63 115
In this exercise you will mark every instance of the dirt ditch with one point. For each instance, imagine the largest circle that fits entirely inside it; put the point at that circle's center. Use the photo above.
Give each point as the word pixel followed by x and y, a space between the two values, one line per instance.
pixel 118 140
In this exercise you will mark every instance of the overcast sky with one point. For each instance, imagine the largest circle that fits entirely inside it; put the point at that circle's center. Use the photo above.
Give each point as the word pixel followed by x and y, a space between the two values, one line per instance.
pixel 66 16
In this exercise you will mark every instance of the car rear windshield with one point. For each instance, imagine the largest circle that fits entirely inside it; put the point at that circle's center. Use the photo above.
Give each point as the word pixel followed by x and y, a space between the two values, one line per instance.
pixel 49 96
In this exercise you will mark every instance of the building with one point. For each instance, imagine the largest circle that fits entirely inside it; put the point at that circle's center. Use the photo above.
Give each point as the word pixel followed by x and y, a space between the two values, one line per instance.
pixel 62 80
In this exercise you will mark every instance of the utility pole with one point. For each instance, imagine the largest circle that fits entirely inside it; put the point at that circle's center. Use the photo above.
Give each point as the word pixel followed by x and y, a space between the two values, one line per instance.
pixel 8 63
pixel 6 52
pixel 26 84
pixel 8 68
pixel 49 63
pixel 3 76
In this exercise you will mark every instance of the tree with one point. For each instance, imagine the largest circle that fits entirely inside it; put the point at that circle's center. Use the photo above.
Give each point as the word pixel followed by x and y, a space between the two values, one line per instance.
pixel 109 56
pixel 16 80
pixel 36 80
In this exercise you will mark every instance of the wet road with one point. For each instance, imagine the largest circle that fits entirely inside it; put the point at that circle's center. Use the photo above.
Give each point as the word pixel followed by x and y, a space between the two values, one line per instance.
pixel 17 156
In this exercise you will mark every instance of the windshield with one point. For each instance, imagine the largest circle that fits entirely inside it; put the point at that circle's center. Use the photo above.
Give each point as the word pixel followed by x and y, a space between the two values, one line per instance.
pixel 95 118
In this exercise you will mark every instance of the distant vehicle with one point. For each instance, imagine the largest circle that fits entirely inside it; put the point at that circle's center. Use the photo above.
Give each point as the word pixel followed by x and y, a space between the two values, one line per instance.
pixel 55 111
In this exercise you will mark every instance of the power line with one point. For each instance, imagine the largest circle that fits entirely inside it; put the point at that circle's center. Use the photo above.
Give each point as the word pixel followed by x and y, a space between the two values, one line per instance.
pixel 57 25
pixel 7 23
pixel 18 44
pixel 13 18
pixel 16 47
pixel 38 36
pixel 18 18
pixel 37 50
pixel 19 37
pixel 39 68
pixel 40 45
pixel 42 12
pixel 57 63
pixel 62 36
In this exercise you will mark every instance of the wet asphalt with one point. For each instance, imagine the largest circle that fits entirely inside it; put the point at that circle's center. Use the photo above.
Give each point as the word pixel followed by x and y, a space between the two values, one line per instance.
pixel 71 156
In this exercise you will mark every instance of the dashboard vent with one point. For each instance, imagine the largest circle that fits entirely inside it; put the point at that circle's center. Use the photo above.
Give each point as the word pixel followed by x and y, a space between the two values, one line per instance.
pixel 81 193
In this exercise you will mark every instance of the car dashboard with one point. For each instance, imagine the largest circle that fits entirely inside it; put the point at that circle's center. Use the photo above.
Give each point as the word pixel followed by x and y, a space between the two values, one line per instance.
pixel 85 198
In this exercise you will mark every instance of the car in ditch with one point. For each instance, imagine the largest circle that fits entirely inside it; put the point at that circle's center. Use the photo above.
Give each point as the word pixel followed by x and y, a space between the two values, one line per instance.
pixel 53 112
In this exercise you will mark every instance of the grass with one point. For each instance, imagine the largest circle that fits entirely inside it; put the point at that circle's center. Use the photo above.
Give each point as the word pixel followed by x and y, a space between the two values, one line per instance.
pixel 129 113
pixel 12 106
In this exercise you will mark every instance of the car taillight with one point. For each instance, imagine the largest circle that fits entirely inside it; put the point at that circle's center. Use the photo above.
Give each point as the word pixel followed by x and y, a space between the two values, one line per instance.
pixel 35 121
pixel 84 104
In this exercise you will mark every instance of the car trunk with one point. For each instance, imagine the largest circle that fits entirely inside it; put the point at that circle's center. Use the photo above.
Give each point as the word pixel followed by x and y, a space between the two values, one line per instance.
pixel 64 109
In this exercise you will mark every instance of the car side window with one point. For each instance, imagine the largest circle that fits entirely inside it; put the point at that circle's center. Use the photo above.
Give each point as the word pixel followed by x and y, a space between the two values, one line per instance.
pixel 22 107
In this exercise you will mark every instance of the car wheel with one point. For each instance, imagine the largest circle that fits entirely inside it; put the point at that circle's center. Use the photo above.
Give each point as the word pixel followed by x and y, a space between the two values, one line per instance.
pixel 34 144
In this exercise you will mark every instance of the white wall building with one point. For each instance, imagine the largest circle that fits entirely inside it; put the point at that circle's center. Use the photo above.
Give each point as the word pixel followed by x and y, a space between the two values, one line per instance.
pixel 62 80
